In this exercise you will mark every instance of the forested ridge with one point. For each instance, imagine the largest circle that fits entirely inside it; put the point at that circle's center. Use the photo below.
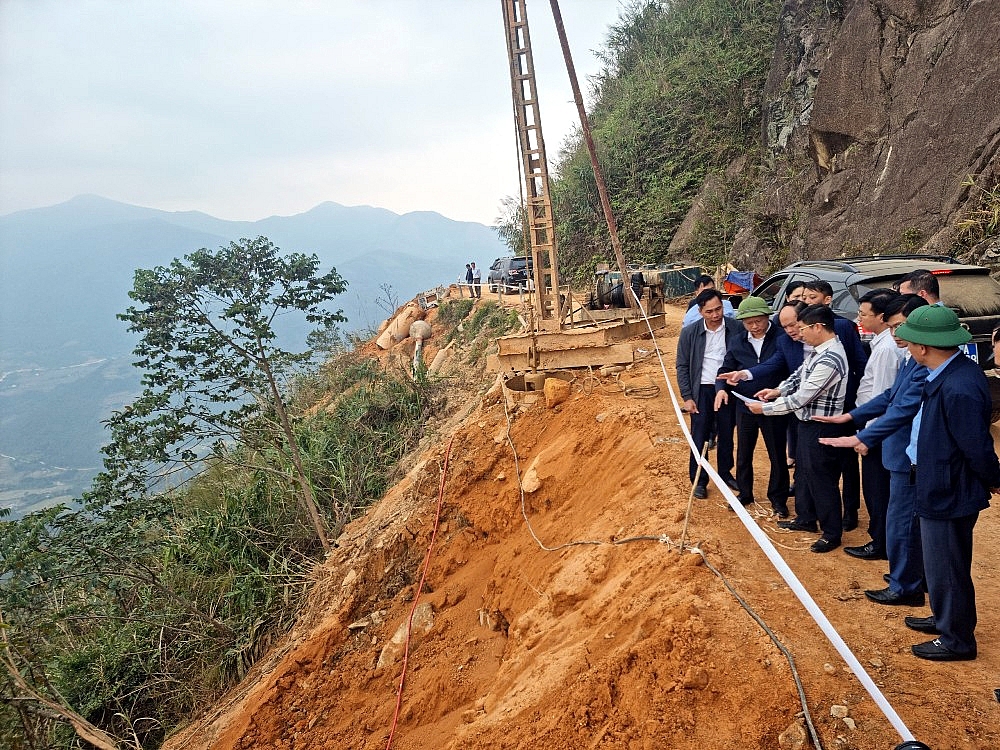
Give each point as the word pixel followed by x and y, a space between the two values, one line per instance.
pixel 224 482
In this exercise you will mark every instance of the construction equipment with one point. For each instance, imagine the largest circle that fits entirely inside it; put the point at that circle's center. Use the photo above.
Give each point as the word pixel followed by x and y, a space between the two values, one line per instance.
pixel 651 284
pixel 538 204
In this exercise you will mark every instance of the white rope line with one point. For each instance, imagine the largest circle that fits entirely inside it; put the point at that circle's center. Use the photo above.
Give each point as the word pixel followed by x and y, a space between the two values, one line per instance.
pixel 764 542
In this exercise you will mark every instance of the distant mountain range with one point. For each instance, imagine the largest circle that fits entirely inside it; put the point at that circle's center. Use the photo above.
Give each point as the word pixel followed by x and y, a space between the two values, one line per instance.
pixel 66 270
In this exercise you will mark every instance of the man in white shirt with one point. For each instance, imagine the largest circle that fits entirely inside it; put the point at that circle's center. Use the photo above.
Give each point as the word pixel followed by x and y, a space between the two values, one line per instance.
pixel 700 350
pixel 477 280
pixel 880 374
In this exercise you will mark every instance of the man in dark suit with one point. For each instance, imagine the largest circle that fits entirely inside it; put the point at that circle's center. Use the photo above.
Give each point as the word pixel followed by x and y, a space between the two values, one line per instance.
pixel 954 470
pixel 755 346
pixel 700 350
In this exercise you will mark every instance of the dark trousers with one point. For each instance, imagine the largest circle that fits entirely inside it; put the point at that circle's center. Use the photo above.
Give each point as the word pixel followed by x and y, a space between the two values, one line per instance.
pixel 948 565
pixel 817 490
pixel 703 425
pixel 852 482
pixel 774 431
pixel 875 482
pixel 902 537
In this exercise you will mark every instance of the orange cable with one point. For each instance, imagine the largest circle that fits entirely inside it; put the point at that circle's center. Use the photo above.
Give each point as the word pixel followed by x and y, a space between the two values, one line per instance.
pixel 416 597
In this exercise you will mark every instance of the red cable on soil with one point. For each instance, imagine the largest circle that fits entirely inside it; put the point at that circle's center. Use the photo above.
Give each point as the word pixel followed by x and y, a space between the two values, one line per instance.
pixel 416 596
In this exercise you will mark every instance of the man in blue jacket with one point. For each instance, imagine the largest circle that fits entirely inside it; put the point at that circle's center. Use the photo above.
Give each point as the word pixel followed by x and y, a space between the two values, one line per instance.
pixel 954 470
pixel 700 350
pixel 895 409
pixel 755 346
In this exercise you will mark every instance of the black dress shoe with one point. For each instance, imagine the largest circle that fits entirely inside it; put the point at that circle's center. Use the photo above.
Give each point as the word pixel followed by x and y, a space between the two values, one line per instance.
pixel 797 525
pixel 888 596
pixel 850 521
pixel 824 545
pixel 700 492
pixel 866 552
pixel 731 484
pixel 780 511
pixel 922 624
pixel 934 651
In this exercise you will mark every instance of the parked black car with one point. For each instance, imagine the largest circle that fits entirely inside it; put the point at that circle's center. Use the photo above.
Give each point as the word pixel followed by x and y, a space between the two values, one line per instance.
pixel 969 290
pixel 509 273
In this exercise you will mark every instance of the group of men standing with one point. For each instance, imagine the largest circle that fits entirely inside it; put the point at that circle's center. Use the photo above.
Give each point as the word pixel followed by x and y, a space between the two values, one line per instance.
pixel 474 278
pixel 916 409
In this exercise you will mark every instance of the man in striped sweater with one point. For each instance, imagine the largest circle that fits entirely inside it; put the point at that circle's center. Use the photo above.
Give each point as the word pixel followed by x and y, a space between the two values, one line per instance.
pixel 817 388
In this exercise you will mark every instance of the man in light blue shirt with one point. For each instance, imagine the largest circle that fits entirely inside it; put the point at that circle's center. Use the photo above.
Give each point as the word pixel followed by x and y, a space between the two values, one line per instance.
pixel 693 314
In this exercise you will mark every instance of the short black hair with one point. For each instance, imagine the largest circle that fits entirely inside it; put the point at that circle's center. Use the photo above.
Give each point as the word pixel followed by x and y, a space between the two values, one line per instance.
pixel 792 286
pixel 704 280
pixel 922 280
pixel 818 285
pixel 903 305
pixel 705 295
pixel 877 299
pixel 821 314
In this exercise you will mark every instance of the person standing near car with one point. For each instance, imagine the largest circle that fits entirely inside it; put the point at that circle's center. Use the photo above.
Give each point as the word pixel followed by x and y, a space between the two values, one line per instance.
pixel 922 283
pixel 880 374
pixel 954 472
pixel 701 348
pixel 759 344
pixel 468 277
pixel 693 315
pixel 818 292
pixel 477 278
pixel 818 387
pixel 895 409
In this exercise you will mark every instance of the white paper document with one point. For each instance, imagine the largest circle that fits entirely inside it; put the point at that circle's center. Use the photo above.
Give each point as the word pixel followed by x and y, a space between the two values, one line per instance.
pixel 746 399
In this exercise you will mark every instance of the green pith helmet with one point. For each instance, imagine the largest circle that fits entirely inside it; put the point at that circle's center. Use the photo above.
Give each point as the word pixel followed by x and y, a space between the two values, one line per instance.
pixel 751 307
pixel 934 325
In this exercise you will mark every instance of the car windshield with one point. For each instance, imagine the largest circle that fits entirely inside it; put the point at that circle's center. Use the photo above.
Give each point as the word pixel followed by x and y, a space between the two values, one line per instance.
pixel 519 263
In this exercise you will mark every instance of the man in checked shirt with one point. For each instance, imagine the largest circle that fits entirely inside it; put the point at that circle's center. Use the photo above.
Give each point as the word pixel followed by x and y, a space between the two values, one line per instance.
pixel 817 388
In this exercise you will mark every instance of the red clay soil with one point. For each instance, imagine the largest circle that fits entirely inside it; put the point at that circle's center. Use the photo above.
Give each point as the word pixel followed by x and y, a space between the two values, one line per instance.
pixel 606 643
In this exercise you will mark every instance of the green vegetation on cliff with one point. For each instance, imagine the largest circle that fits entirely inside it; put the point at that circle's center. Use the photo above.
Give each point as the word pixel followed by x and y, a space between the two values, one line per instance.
pixel 679 98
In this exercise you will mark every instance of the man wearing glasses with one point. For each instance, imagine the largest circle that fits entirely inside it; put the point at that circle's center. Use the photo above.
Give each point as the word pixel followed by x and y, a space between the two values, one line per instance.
pixel 817 388
pixel 895 409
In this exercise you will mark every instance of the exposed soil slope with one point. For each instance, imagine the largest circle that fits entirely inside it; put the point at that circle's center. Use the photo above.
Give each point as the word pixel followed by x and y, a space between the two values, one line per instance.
pixel 595 645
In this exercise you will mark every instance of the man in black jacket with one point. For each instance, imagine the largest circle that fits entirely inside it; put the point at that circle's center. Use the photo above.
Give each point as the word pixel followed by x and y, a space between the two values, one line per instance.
pixel 700 350
pixel 756 345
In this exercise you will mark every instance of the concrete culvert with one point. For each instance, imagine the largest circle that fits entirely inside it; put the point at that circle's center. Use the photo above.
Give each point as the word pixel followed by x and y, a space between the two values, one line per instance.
pixel 420 330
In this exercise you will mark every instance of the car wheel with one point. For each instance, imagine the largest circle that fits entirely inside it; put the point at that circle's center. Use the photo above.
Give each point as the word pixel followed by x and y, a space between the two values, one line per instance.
pixel 493 288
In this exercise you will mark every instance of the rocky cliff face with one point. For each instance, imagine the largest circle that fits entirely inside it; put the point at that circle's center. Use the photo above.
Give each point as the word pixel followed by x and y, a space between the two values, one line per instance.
pixel 882 128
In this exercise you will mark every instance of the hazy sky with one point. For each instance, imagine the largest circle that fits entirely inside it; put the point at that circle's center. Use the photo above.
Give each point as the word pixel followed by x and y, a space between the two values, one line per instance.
pixel 248 108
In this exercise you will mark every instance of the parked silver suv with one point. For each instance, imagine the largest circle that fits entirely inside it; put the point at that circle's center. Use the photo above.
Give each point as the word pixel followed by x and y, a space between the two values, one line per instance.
pixel 969 290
